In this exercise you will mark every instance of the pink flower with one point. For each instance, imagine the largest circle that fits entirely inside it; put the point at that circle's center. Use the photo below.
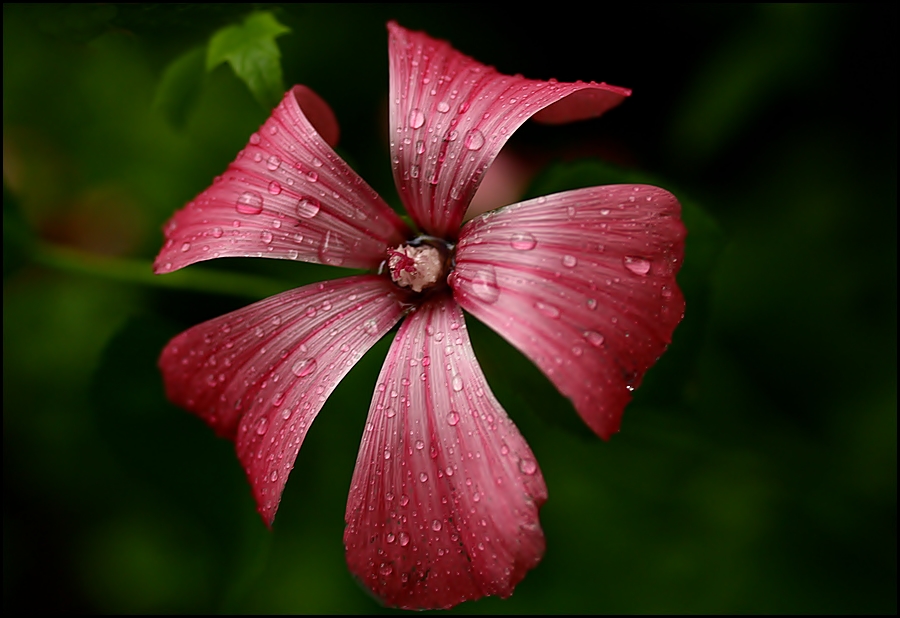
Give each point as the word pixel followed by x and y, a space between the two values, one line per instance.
pixel 445 496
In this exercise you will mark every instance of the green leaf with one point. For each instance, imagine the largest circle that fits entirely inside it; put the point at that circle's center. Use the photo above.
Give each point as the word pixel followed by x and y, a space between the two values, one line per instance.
pixel 179 87
pixel 251 51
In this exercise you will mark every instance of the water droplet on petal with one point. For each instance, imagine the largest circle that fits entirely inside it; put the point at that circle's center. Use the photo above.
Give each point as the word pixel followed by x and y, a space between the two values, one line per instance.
pixel 370 326
pixel 523 241
pixel 457 385
pixel 416 118
pixel 551 311
pixel 307 207
pixel 419 445
pixel 274 187
pixel 436 525
pixel 304 367
pixel 569 261
pixel 453 417
pixel 404 539
pixel 217 232
pixel 249 203
pixel 273 163
pixel 527 466
pixel 386 570
pixel 262 426
pixel 484 285
pixel 186 247
pixel 443 107
pixel 591 303
pixel 423 477
pixel 332 250
pixel 266 236
pixel 594 338
pixel 474 140
pixel 254 138
pixel 637 265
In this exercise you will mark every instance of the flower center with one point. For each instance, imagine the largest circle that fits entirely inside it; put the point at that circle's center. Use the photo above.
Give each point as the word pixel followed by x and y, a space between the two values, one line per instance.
pixel 420 264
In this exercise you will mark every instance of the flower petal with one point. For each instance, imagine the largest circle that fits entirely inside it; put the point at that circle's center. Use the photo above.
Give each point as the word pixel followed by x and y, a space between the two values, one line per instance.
pixel 287 195
pixel 445 495
pixel 582 283
pixel 451 115
pixel 261 374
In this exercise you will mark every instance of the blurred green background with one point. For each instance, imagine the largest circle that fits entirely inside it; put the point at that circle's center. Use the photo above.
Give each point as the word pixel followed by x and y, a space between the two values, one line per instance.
pixel 756 468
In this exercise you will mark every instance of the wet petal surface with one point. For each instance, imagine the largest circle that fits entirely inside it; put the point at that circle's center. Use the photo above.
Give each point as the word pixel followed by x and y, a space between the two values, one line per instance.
pixel 451 115
pixel 287 195
pixel 445 495
pixel 583 283
pixel 261 374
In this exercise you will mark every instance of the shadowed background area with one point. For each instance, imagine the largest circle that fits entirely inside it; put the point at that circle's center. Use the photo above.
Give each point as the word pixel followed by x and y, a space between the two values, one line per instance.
pixel 756 467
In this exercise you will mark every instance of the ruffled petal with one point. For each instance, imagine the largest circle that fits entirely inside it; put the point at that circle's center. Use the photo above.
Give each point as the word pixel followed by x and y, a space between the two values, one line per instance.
pixel 445 496
pixel 261 374
pixel 451 115
pixel 287 195
pixel 582 283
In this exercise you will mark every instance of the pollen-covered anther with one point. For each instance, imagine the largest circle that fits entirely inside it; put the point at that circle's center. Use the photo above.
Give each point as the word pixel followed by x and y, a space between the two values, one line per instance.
pixel 415 267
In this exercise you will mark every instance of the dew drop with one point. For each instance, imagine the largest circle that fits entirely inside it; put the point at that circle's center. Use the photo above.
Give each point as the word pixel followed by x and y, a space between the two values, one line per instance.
pixel 304 367
pixel 274 187
pixel 484 285
pixel 523 241
pixel 551 311
pixel 419 445
pixel 594 338
pixel 370 326
pixel 249 203
pixel 423 477
pixel 386 570
pixel 387 453
pixel 457 385
pixel 307 207
pixel 637 265
pixel 273 163
pixel 312 176
pixel 453 417
pixel 262 426
pixel 390 538
pixel 474 140
pixel 569 261
pixel 527 466
pixel 404 539
pixel 217 232
pixel 186 247
pixel 416 118
pixel 443 107
pixel 266 236
pixel 591 303
pixel 332 250
pixel 254 138
pixel 436 525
